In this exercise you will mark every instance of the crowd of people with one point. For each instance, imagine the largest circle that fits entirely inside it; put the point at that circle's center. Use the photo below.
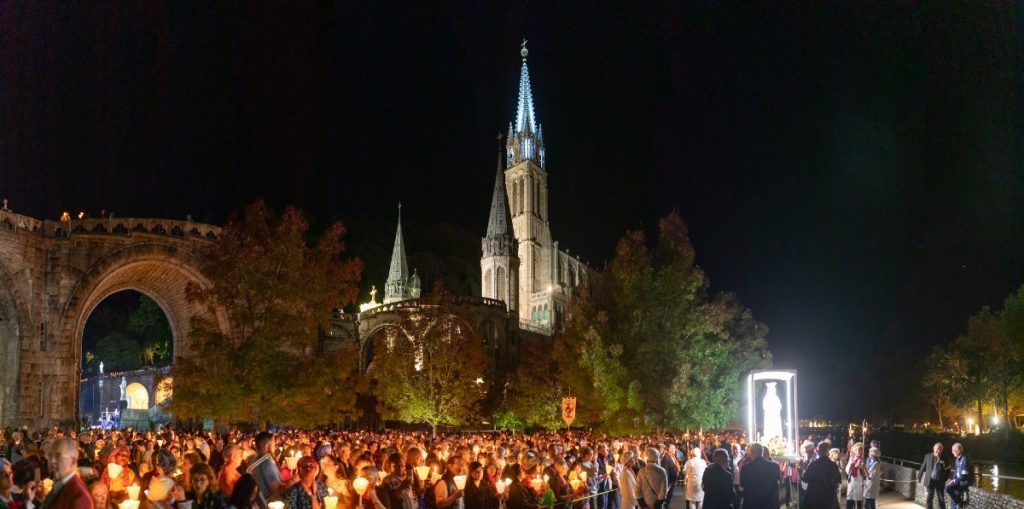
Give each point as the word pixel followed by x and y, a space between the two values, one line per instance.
pixel 323 469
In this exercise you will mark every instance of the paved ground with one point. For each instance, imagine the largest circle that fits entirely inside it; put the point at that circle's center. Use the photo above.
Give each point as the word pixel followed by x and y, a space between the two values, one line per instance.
pixel 886 501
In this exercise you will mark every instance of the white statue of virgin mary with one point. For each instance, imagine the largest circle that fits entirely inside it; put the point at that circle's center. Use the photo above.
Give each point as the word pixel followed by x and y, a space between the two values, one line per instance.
pixel 772 406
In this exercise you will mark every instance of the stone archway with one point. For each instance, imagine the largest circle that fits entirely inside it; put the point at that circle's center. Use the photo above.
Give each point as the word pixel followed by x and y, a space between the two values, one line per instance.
pixel 161 273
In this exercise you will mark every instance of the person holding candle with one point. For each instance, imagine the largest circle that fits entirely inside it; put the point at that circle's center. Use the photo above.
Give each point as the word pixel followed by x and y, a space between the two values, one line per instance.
pixel 308 492
pixel 203 489
pixel 520 493
pixel 445 492
pixel 399 485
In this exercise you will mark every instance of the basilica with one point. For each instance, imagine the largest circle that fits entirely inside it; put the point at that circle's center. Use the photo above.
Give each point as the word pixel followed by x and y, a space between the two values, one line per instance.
pixel 527 280
pixel 520 264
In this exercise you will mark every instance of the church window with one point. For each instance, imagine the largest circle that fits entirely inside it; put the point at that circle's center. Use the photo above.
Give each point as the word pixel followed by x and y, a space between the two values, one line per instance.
pixel 499 284
pixel 487 284
pixel 522 193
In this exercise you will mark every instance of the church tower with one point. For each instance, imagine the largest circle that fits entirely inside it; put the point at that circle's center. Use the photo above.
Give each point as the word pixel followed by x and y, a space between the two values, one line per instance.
pixel 526 180
pixel 499 264
pixel 400 285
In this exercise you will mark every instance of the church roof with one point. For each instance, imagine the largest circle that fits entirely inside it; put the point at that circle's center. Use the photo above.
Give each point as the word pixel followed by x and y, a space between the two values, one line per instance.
pixel 524 109
pixel 399 266
pixel 500 222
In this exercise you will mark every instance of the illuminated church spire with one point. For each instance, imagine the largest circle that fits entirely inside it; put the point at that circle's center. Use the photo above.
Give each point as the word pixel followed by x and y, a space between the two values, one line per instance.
pixel 525 142
pixel 399 285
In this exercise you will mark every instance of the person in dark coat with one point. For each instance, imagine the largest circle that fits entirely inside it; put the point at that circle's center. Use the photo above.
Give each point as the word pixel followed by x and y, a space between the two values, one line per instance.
pixel 823 479
pixel 717 483
pixel 932 476
pixel 760 481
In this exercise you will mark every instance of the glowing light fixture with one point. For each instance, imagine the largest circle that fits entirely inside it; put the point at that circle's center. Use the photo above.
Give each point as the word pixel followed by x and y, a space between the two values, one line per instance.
pixel 777 428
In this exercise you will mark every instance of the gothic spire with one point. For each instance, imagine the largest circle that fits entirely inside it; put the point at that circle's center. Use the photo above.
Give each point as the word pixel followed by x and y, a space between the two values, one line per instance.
pixel 395 288
pixel 525 121
pixel 500 222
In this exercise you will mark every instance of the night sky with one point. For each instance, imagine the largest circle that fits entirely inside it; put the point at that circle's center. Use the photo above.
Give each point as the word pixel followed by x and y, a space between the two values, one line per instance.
pixel 852 171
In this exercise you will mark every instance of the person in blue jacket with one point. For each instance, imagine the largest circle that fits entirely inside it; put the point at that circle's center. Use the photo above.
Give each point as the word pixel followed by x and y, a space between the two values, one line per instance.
pixel 963 477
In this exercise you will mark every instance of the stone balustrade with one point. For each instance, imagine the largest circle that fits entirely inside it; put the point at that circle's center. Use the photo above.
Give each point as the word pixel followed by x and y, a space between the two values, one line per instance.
pixel 125 226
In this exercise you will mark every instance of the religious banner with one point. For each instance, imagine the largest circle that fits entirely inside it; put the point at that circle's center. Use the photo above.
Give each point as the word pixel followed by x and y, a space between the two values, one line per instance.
pixel 568 410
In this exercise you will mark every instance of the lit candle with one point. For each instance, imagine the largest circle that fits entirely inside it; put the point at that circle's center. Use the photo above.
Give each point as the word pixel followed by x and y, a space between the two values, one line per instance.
pixel 422 472
pixel 360 484
pixel 499 486
pixel 47 485
pixel 537 483
pixel 277 504
pixel 608 468
pixel 460 482
pixel 583 476
pixel 129 504
pixel 575 483
pixel 330 501
pixel 133 492
pixel 573 475
pixel 293 460
pixel 113 470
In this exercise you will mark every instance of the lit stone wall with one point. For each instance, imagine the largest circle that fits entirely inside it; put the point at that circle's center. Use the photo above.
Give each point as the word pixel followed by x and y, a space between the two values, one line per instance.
pixel 906 484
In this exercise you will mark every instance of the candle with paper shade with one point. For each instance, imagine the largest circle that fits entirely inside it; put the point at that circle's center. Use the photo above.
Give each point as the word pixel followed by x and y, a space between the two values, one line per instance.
pixel 460 482
pixel 583 476
pixel 360 484
pixel 422 472
pixel 277 504
pixel 129 504
pixel 133 491
pixel 573 475
pixel 499 486
pixel 608 468
pixel 114 470
pixel 331 500
pixel 575 483
pixel 537 483
pixel 47 485
pixel 293 460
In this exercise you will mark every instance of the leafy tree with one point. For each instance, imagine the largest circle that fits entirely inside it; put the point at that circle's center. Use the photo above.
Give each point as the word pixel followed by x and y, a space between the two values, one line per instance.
pixel 118 351
pixel 278 292
pixel 1011 367
pixel 429 366
pixel 534 392
pixel 149 323
pixel 648 349
pixel 943 375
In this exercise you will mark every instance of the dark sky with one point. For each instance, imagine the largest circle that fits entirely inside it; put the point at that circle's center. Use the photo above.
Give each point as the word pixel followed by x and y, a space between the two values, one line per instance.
pixel 852 170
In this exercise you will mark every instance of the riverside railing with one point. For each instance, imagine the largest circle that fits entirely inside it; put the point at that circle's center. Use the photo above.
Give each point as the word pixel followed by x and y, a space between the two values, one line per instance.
pixel 999 483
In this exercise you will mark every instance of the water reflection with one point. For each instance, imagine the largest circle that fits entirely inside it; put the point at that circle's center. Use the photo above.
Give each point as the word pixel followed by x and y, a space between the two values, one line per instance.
pixel 995 477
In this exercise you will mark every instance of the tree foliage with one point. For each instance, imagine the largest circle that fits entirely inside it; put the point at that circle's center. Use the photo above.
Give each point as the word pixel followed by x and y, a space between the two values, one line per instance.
pixel 278 292
pixel 984 364
pixel 533 394
pixel 430 368
pixel 648 348
pixel 118 352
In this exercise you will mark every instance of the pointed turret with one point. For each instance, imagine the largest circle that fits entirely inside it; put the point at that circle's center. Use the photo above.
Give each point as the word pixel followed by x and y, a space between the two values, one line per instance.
pixel 397 288
pixel 499 265
pixel 500 221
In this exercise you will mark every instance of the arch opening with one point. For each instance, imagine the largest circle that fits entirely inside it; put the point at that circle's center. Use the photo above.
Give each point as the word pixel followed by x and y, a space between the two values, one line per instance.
pixel 127 346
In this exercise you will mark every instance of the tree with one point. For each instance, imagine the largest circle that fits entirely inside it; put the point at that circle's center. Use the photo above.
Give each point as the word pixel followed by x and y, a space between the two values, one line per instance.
pixel 278 293
pixel 118 351
pixel 648 349
pixel 431 366
pixel 533 396
pixel 149 323
pixel 942 380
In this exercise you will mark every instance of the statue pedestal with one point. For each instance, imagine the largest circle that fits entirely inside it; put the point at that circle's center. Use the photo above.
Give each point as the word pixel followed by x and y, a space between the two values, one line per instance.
pixel 135 419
